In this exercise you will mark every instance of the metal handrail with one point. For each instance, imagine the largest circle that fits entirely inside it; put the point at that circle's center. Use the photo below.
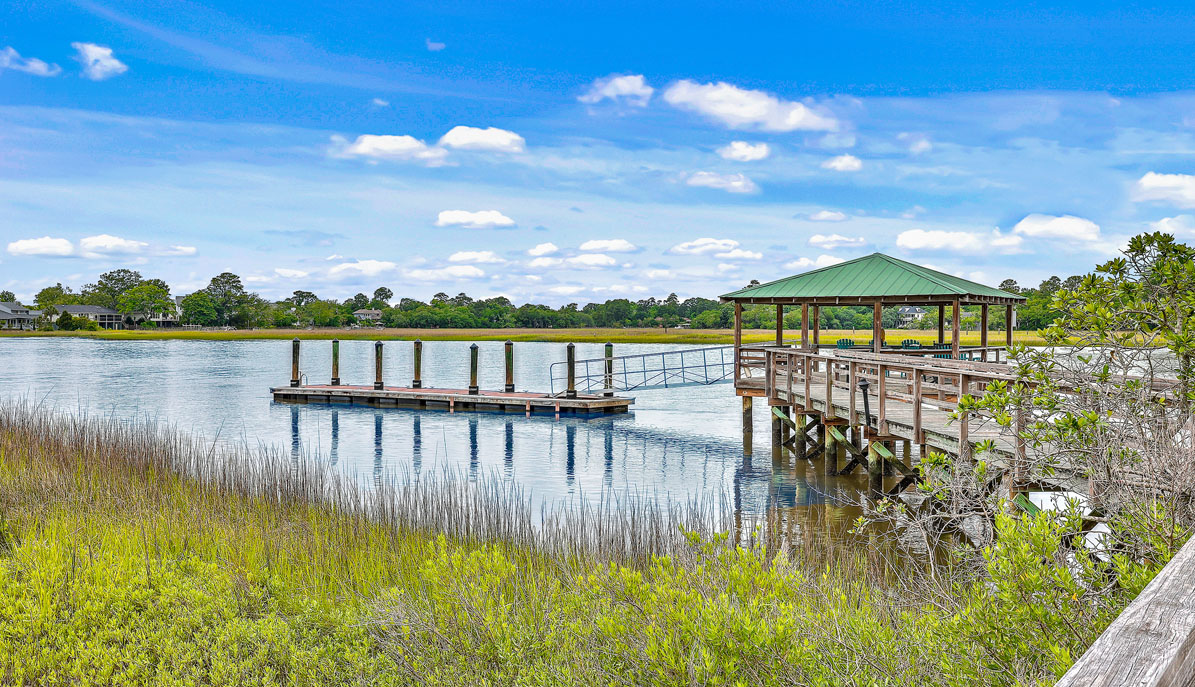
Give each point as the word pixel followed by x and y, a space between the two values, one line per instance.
pixel 659 370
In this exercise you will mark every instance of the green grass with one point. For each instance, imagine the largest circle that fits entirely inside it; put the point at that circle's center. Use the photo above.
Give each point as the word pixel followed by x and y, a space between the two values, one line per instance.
pixel 135 556
pixel 585 335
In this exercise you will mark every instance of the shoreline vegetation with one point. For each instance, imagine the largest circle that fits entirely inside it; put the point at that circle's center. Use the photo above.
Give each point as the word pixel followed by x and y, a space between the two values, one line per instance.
pixel 241 566
pixel 711 337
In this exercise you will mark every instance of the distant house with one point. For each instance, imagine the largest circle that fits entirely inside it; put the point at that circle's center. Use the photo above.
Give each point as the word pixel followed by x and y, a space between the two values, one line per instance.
pixel 910 314
pixel 368 315
pixel 171 316
pixel 106 318
pixel 16 316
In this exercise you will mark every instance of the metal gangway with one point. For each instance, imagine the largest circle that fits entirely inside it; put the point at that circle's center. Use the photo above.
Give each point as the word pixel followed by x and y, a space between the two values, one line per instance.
pixel 661 370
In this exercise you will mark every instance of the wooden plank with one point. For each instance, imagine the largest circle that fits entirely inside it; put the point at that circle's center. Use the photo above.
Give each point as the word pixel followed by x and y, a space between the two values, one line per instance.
pixel 1152 641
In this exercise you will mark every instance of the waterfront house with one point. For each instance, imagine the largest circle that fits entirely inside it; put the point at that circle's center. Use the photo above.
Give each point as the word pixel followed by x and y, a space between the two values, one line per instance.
pixel 368 315
pixel 16 316
pixel 106 318
pixel 910 314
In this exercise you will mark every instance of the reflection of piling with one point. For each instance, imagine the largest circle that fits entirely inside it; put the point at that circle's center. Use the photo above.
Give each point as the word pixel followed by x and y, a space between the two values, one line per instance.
pixel 608 379
pixel 473 389
pixel 335 362
pixel 294 362
pixel 571 392
pixel 417 381
pixel 377 365
pixel 748 425
pixel 510 366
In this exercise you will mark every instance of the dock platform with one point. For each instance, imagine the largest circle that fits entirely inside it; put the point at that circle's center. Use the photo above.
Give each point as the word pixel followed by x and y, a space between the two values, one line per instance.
pixel 453 400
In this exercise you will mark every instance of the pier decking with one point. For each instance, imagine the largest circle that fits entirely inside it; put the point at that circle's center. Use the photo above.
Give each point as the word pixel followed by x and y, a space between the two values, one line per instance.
pixel 452 399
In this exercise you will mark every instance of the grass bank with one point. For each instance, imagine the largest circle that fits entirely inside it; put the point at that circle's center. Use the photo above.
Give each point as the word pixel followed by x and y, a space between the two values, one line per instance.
pixel 711 337
pixel 134 556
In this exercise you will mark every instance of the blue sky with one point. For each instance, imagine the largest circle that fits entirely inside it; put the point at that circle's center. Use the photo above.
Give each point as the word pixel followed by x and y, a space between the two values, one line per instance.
pixel 568 152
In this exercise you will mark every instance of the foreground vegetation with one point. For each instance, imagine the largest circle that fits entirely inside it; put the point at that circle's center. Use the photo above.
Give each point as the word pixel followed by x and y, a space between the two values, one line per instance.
pixel 133 555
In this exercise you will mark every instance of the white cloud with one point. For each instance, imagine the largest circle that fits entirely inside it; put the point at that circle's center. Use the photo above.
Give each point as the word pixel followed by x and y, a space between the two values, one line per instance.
pixel 361 268
pixel 492 138
pixel 741 108
pixel 727 267
pixel 805 263
pixel 450 272
pixel 621 288
pixel 434 46
pixel 43 246
pixel 732 183
pixel 388 147
pixel 1178 225
pixel 482 219
pixel 335 256
pixel 179 251
pixel 832 241
pixel 11 59
pixel 566 290
pixel 543 249
pixel 739 254
pixel 658 274
pixel 106 244
pixel 591 260
pixel 742 151
pixel 702 246
pixel 1057 227
pixel 1176 189
pixel 380 103
pixel 843 139
pixel 843 163
pixel 918 143
pixel 828 216
pixel 628 88
pixel 98 61
pixel 610 246
pixel 288 273
pixel 545 263
pixel 958 241
pixel 475 256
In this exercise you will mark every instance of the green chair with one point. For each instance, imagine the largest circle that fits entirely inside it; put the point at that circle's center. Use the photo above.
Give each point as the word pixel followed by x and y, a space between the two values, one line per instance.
pixel 871 344
pixel 910 344
pixel 845 343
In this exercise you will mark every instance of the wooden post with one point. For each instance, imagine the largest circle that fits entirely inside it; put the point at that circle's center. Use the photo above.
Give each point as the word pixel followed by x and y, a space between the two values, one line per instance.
pixel 377 365
pixel 1010 323
pixel 941 324
pixel 571 391
pixel 954 330
pixel 294 362
pixel 817 325
pixel 510 366
pixel 748 425
pixel 473 389
pixel 335 362
pixel 804 326
pixel 779 325
pixel 964 424
pixel 417 381
pixel 738 340
pixel 875 470
pixel 830 450
pixel 877 328
pixel 608 379
pixel 800 437
pixel 983 331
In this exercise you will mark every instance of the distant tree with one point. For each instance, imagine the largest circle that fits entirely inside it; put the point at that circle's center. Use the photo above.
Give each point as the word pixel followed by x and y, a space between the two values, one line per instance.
pixel 383 295
pixel 1010 285
pixel 55 295
pixel 409 304
pixel 66 323
pixel 144 301
pixel 108 289
pixel 302 298
pixel 358 302
pixel 7 297
pixel 440 297
pixel 198 309
pixel 228 295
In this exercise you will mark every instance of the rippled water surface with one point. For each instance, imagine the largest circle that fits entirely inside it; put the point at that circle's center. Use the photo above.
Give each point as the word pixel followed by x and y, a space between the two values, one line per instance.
pixel 676 444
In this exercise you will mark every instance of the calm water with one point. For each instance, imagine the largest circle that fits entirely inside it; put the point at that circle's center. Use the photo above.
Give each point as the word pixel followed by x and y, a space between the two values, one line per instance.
pixel 675 445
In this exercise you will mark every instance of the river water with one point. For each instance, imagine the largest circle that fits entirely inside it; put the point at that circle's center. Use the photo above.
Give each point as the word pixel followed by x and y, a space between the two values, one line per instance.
pixel 676 445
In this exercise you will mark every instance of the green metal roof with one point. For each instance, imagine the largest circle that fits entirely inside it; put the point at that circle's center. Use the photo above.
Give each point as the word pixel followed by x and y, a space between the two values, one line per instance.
pixel 871 276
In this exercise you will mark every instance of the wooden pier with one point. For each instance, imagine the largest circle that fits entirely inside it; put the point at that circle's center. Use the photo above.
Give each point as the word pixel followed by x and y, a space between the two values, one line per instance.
pixel 418 396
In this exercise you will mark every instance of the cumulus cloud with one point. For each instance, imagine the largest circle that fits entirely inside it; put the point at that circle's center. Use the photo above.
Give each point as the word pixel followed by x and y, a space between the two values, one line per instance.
pixel 742 108
pixel 739 254
pixel 482 219
pixel 361 268
pixel 434 46
pixel 591 261
pixel 442 273
pixel 475 256
pixel 832 241
pixel 805 263
pixel 843 163
pixel 545 263
pixel 742 151
pixel 98 61
pixel 543 249
pixel 1057 227
pixel 621 88
pixel 44 246
pixel 828 216
pixel 1176 189
pixel 389 147
pixel 106 244
pixel 703 246
pixel 288 273
pixel 11 59
pixel 610 246
pixel 177 251
pixel 658 274
pixel 492 138
pixel 732 183
pixel 971 243
pixel 1178 225
pixel 566 290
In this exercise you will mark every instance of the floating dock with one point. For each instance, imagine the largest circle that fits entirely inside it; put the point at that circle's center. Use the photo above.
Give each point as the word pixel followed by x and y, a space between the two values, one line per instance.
pixel 453 399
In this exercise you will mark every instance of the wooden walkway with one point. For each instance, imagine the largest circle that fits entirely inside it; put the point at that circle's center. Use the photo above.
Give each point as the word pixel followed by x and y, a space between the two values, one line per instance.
pixel 452 399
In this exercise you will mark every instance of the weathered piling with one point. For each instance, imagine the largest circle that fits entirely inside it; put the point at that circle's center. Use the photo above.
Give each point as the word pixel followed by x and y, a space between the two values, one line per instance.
pixel 748 426
pixel 473 388
pixel 417 380
pixel 510 366
pixel 294 362
pixel 608 379
pixel 571 391
pixel 335 362
pixel 377 365
pixel 875 469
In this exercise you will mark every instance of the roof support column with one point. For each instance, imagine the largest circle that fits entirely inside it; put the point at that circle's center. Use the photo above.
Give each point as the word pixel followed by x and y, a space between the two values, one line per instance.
pixel 817 326
pixel 738 339
pixel 804 325
pixel 1010 322
pixel 983 331
pixel 941 324
pixel 954 329
pixel 779 325
pixel 877 328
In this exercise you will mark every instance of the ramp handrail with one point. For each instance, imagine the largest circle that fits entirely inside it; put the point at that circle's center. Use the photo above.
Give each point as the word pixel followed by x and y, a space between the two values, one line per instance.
pixel 659 370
